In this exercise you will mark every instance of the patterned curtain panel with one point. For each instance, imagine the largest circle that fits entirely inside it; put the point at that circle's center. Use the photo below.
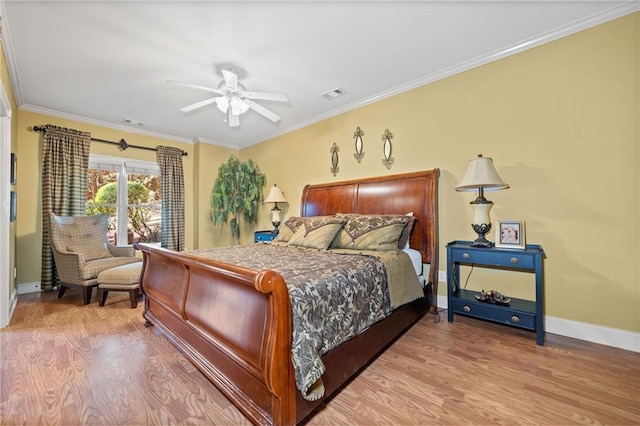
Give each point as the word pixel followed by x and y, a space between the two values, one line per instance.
pixel 65 161
pixel 170 161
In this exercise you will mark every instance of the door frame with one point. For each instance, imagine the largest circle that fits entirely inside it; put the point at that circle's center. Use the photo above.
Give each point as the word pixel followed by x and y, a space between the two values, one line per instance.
pixel 8 290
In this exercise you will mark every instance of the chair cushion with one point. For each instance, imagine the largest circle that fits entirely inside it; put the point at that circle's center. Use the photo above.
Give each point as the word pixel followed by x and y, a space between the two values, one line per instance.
pixel 93 268
pixel 82 234
pixel 120 277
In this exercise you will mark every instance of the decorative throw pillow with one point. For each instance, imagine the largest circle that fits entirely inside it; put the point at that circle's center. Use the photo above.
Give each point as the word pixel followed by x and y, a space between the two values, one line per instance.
pixel 371 232
pixel 89 237
pixel 285 233
pixel 290 227
pixel 317 232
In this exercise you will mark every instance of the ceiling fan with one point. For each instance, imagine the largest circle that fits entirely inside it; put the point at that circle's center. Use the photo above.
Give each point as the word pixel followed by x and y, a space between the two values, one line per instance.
pixel 234 100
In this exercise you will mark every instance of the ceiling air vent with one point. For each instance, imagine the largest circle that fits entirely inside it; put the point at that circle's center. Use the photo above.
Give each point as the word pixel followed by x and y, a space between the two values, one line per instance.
pixel 334 93
pixel 132 122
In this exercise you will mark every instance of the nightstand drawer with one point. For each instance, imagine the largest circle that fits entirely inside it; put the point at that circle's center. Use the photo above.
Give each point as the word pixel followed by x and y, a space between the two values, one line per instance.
pixel 501 314
pixel 493 257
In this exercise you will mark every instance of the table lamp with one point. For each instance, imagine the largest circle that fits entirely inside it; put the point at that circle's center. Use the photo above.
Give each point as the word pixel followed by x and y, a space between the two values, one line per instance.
pixel 275 196
pixel 481 176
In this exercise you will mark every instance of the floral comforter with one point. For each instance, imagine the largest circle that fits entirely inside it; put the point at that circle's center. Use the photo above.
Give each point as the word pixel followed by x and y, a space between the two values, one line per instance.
pixel 334 297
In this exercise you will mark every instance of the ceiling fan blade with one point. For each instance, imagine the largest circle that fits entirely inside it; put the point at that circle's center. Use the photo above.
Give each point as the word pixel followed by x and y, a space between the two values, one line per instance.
pixel 230 80
pixel 234 120
pixel 263 111
pixel 267 96
pixel 195 86
pixel 198 105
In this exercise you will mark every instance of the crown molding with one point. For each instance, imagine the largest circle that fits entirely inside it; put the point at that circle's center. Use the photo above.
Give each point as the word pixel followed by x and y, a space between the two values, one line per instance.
pixel 575 27
pixel 10 59
pixel 107 124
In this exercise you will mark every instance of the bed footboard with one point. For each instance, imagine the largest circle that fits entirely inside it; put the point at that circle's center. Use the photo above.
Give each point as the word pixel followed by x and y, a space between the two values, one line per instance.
pixel 234 325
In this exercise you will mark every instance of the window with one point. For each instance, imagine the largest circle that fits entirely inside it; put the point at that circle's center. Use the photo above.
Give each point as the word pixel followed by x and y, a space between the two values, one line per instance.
pixel 129 191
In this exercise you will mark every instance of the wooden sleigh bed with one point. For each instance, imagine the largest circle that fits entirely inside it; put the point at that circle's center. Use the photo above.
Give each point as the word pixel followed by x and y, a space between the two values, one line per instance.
pixel 246 353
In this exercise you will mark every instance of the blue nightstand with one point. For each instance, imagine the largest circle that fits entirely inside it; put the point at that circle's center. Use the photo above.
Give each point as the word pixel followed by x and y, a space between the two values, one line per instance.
pixel 527 314
pixel 263 236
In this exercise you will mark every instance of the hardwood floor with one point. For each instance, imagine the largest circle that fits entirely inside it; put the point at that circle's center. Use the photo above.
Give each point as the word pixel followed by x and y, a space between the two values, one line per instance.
pixel 66 363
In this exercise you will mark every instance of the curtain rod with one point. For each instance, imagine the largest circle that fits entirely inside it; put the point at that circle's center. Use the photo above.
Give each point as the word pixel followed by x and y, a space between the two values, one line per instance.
pixel 122 144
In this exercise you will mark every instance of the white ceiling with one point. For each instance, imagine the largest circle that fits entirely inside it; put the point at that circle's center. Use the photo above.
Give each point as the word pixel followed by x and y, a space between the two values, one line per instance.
pixel 104 61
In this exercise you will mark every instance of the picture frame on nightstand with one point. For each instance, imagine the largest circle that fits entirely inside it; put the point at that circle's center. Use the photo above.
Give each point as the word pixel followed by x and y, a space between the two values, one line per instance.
pixel 511 234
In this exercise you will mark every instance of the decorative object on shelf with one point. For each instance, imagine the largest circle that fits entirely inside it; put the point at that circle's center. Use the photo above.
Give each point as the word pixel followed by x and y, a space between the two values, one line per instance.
pixel 492 296
pixel 237 191
pixel 275 196
pixel 14 171
pixel 334 159
pixel 388 160
pixel 359 145
pixel 481 176
pixel 511 234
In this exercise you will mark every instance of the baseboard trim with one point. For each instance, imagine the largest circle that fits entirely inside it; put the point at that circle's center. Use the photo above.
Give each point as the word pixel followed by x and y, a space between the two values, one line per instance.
pixel 25 288
pixel 608 336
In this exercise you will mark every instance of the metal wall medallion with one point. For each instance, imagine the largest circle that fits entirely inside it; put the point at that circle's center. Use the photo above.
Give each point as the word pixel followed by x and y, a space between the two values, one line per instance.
pixel 334 159
pixel 386 149
pixel 359 145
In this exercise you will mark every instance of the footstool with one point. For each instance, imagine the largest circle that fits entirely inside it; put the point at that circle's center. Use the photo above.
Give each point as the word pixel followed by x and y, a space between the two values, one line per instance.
pixel 120 278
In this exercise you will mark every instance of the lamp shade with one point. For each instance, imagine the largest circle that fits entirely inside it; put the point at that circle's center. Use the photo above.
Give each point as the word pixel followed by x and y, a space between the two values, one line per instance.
pixel 481 174
pixel 275 196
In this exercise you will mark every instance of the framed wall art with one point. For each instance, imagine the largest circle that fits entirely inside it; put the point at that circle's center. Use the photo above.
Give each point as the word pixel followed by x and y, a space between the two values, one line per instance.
pixel 14 170
pixel 334 159
pixel 510 234
pixel 359 145
pixel 13 206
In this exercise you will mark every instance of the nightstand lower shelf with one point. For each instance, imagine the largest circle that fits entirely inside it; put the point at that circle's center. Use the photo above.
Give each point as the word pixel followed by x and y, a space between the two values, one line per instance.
pixel 519 313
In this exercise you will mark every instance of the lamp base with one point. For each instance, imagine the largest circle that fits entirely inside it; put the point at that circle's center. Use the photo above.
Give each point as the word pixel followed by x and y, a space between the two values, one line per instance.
pixel 275 231
pixel 481 241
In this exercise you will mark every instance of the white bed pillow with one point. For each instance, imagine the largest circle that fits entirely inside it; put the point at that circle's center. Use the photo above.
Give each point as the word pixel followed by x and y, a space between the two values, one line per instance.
pixel 416 261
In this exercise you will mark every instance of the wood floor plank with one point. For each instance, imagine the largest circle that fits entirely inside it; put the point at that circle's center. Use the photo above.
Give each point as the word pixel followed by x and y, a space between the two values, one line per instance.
pixel 65 363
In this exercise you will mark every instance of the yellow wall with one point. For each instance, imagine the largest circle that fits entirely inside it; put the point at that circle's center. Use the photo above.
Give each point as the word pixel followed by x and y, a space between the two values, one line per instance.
pixel 561 122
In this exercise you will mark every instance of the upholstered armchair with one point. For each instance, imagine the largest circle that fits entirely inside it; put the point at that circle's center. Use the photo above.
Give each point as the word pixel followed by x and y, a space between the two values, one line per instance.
pixel 81 251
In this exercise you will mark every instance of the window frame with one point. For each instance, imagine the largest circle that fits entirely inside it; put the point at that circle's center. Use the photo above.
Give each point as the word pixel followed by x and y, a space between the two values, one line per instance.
pixel 124 167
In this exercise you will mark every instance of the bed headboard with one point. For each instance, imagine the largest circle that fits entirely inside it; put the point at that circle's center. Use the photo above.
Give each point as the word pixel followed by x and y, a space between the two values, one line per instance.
pixel 395 194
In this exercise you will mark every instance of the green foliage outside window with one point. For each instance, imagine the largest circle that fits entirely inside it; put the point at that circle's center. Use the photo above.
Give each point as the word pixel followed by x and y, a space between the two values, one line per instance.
pixel 139 215
pixel 237 192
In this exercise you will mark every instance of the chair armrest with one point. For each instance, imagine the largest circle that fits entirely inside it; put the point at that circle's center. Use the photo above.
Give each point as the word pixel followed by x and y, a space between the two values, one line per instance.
pixel 121 251
pixel 68 265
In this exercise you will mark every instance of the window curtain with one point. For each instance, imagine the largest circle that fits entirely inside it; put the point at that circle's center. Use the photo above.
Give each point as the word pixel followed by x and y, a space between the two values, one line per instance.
pixel 65 164
pixel 172 181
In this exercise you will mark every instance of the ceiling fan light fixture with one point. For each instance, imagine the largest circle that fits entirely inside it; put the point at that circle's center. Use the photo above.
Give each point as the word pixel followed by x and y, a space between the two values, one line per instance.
pixel 238 106
pixel 222 103
pixel 234 100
